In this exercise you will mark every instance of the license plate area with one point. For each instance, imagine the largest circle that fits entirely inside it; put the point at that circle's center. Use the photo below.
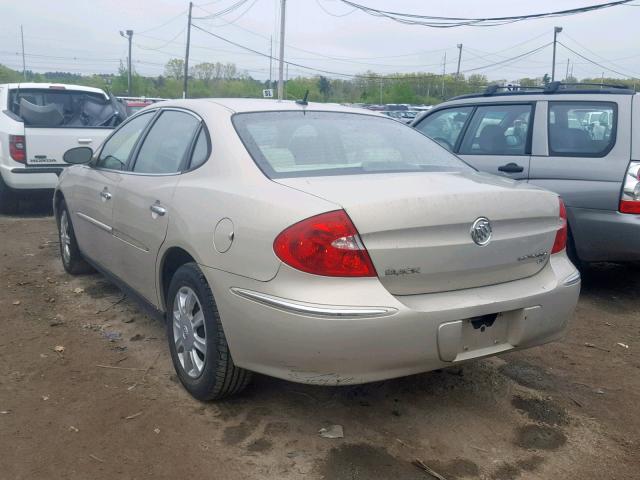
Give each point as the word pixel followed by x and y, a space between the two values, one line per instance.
pixel 476 336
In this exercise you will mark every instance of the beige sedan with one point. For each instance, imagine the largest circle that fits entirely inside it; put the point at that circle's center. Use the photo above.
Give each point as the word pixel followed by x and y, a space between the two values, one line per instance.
pixel 315 243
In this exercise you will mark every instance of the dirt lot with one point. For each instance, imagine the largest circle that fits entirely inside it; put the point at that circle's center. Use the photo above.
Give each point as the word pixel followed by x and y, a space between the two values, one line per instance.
pixel 565 410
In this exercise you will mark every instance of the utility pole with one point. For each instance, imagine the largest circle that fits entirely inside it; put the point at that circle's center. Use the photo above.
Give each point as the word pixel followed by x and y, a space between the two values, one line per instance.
pixel 128 34
pixel 283 7
pixel 270 61
pixel 556 31
pixel 185 87
pixel 444 71
pixel 459 60
pixel 566 75
pixel 24 68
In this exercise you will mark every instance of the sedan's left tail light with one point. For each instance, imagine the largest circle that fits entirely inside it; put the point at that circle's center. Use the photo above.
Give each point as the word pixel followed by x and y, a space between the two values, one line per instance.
pixel 18 148
pixel 327 244
pixel 560 242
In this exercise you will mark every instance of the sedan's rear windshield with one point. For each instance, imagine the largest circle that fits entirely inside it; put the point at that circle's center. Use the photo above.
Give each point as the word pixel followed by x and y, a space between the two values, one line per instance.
pixel 312 143
pixel 63 108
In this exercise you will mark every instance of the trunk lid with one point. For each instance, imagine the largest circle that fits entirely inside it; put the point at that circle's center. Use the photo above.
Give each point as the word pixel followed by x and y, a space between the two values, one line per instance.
pixel 46 146
pixel 417 226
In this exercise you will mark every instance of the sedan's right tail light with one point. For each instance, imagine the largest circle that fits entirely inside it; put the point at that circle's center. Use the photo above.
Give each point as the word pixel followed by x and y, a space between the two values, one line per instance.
pixel 560 242
pixel 630 198
pixel 327 244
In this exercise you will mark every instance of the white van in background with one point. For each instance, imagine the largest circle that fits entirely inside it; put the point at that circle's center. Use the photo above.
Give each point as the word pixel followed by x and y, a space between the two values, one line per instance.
pixel 41 121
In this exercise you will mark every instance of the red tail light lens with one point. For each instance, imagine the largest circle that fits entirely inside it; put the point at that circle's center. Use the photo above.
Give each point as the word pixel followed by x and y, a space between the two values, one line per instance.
pixel 327 244
pixel 630 198
pixel 560 242
pixel 17 148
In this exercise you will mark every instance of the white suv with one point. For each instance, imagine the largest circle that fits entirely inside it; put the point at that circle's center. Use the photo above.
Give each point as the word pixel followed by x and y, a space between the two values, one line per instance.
pixel 38 123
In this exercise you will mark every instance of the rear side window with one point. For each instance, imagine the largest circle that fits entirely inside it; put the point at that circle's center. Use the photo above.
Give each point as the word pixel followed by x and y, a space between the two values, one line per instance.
pixel 582 129
pixel 312 143
pixel 116 150
pixel 166 145
pixel 445 126
pixel 53 108
pixel 200 150
pixel 498 130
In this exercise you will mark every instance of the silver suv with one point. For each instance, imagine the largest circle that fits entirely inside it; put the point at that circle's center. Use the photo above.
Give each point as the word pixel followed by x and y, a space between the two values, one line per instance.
pixel 581 141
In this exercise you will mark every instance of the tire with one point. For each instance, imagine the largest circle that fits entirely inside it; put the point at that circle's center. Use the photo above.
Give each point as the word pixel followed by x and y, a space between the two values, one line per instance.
pixel 198 346
pixel 72 260
pixel 8 199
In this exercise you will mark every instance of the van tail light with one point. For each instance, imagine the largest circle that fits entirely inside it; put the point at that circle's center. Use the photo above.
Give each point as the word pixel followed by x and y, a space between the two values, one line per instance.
pixel 560 242
pixel 630 198
pixel 18 148
pixel 327 244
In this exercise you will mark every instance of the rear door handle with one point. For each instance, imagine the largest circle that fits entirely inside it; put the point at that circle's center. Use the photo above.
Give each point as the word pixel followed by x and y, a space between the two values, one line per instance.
pixel 85 140
pixel 511 168
pixel 158 209
pixel 105 194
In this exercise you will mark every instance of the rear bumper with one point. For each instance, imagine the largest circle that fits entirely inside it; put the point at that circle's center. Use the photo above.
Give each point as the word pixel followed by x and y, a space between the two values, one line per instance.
pixel 349 331
pixel 605 235
pixel 30 178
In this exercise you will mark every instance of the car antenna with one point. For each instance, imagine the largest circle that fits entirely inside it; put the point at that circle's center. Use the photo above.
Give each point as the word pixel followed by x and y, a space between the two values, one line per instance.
pixel 304 100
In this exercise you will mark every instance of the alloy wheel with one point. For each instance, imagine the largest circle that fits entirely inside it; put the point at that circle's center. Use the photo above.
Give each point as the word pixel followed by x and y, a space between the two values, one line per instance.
pixel 189 331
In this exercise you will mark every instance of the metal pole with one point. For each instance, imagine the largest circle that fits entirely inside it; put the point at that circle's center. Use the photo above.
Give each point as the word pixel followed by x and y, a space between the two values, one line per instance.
pixel 286 81
pixel 270 61
pixel 24 68
pixel 130 35
pixel 185 87
pixel 566 75
pixel 381 91
pixel 459 60
pixel 444 71
pixel 556 31
pixel 281 59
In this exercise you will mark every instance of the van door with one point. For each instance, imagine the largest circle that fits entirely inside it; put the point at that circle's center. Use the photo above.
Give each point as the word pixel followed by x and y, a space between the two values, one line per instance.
pixel 143 207
pixel 497 139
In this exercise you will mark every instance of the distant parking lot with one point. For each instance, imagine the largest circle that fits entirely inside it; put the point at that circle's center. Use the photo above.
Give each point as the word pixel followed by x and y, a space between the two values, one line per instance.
pixel 87 390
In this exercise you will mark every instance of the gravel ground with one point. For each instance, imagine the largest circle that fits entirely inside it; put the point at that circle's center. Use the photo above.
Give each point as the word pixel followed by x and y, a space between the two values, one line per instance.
pixel 108 405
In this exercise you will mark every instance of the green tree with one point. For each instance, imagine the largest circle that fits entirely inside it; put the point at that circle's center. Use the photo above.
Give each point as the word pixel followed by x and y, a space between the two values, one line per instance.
pixel 324 86
pixel 174 68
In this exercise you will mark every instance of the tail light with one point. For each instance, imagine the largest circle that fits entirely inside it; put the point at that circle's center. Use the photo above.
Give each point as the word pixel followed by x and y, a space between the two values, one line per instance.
pixel 630 198
pixel 560 242
pixel 18 148
pixel 327 244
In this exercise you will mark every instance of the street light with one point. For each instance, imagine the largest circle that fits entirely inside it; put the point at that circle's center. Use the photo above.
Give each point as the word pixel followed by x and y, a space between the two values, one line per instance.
pixel 128 34
pixel 556 31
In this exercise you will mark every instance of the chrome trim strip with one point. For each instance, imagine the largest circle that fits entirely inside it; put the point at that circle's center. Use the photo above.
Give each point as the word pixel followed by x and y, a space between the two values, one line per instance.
pixel 95 222
pixel 313 309
pixel 572 279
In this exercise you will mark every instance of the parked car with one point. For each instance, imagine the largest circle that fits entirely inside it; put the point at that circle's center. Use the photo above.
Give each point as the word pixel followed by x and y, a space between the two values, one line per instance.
pixel 38 123
pixel 580 141
pixel 315 243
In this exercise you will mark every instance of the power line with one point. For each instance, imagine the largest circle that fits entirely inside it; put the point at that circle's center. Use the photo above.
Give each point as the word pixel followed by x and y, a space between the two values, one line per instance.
pixel 450 22
pixel 509 60
pixel 596 63
pixel 338 15
pixel 165 23
pixel 222 12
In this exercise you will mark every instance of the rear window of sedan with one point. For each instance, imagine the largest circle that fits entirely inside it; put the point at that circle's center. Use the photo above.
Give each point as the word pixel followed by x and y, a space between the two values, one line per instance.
pixel 312 143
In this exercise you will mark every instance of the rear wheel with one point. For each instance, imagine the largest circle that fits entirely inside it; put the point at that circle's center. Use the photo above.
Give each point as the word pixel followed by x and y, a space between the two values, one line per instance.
pixel 198 346
pixel 72 259
pixel 8 199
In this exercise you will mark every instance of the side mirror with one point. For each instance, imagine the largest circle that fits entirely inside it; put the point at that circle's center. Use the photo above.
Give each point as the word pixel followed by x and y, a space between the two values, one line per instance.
pixel 78 155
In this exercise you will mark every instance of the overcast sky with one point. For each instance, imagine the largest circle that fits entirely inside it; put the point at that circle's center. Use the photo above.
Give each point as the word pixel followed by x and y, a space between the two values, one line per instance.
pixel 82 36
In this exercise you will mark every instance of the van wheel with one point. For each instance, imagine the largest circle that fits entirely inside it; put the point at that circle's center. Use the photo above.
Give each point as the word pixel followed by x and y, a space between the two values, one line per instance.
pixel 8 199
pixel 198 346
pixel 72 259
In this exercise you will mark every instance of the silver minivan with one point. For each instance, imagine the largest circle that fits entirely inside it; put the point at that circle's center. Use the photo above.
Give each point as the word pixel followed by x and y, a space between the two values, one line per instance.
pixel 581 141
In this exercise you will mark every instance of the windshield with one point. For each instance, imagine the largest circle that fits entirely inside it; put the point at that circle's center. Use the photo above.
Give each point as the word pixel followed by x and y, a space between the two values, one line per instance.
pixel 63 108
pixel 311 144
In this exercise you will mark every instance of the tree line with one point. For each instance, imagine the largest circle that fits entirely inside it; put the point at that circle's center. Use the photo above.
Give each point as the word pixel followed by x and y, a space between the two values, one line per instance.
pixel 217 79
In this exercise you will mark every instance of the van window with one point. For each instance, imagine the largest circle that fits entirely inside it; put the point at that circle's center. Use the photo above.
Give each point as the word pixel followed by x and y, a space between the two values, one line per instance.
pixel 498 130
pixel 581 129
pixel 445 126
pixel 63 108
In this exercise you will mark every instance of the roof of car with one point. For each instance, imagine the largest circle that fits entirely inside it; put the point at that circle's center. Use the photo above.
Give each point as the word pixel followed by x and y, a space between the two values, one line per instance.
pixel 238 105
pixel 53 86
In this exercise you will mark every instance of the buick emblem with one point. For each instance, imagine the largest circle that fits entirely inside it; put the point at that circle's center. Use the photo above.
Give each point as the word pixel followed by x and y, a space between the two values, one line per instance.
pixel 481 231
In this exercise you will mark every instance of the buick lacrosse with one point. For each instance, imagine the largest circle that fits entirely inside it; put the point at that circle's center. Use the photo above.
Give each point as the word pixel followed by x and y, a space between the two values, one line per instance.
pixel 311 242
